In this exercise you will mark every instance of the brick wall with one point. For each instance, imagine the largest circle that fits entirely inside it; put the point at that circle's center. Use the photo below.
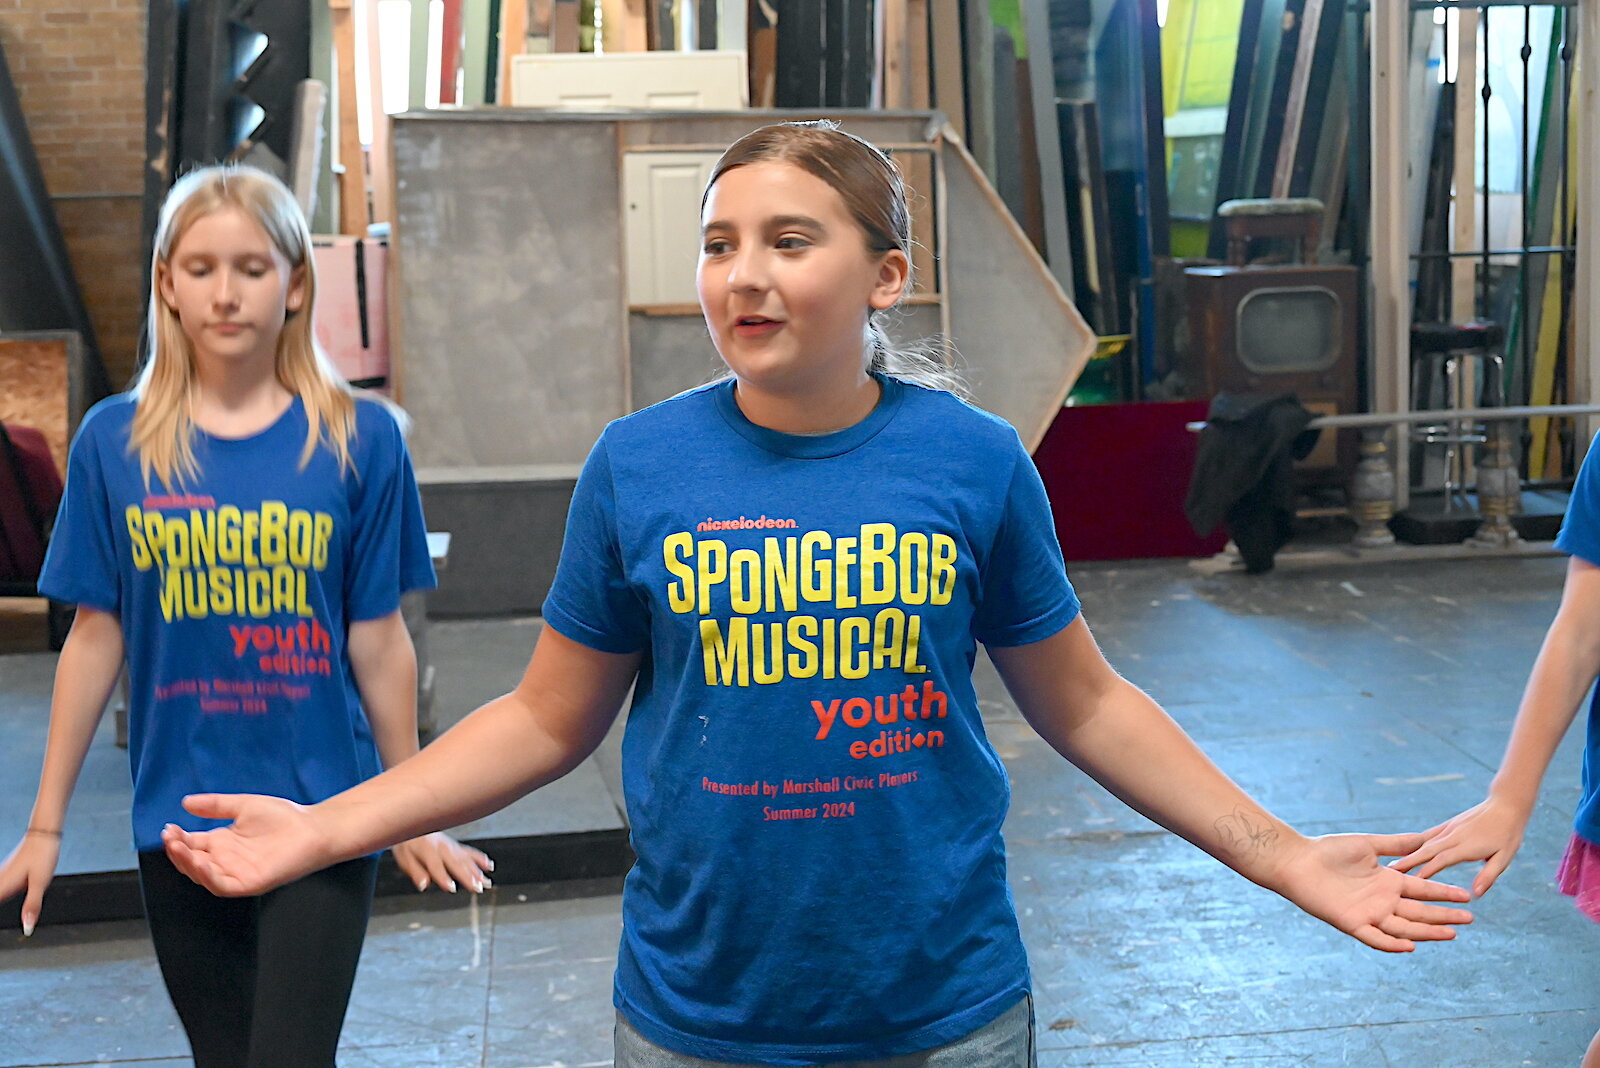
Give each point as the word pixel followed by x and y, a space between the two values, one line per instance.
pixel 79 69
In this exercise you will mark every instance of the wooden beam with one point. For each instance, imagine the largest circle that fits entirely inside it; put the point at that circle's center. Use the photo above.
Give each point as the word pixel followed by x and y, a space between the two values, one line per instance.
pixel 450 51
pixel 352 174
pixel 894 56
pixel 918 61
pixel 1390 270
pixel 564 26
pixel 381 175
pixel 624 26
pixel 513 39
pixel 948 74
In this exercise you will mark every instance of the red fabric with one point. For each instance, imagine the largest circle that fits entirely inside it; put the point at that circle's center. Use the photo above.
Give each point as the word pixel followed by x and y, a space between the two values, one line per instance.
pixel 21 548
pixel 1579 876
pixel 1117 475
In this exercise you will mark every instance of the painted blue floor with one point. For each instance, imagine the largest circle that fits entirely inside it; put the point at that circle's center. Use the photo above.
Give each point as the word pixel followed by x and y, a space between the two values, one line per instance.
pixel 1356 697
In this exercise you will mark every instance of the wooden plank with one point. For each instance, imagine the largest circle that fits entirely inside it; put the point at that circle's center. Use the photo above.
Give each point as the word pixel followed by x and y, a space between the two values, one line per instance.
pixel 949 93
pixel 513 41
pixel 1047 141
pixel 663 25
pixel 978 53
pixel 564 26
pixel 763 32
pixel 1280 83
pixel 894 56
pixel 919 63
pixel 1390 268
pixel 625 26
pixel 450 51
pixel 1230 168
pixel 379 156
pixel 352 173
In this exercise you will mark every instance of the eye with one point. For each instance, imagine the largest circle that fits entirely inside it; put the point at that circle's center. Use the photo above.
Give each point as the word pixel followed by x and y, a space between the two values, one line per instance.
pixel 792 242
pixel 715 246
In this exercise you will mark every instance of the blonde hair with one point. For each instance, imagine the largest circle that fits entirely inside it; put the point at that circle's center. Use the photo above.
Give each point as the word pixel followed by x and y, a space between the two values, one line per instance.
pixel 163 422
pixel 874 193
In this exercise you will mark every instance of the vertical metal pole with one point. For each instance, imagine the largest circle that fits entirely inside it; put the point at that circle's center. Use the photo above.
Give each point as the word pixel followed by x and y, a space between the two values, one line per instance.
pixel 1586 185
pixel 1466 206
pixel 1390 271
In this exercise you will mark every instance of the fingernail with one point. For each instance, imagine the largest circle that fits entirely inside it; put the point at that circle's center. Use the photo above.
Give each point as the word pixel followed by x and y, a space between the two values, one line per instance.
pixel 27 926
pixel 484 884
pixel 450 885
pixel 422 884
pixel 491 865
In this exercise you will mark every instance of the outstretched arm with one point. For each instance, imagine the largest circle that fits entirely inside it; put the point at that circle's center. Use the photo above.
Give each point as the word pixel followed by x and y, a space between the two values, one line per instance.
pixel 1492 830
pixel 1117 734
pixel 544 728
pixel 87 670
pixel 385 666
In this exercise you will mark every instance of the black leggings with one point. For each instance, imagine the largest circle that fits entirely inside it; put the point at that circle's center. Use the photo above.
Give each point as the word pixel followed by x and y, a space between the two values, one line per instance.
pixel 260 982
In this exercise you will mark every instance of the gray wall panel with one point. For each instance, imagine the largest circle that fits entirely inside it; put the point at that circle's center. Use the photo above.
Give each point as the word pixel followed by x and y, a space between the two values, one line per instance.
pixel 509 287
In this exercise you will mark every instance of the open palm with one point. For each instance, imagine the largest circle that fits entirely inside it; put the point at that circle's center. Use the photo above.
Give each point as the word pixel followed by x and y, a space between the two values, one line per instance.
pixel 270 842
pixel 1338 879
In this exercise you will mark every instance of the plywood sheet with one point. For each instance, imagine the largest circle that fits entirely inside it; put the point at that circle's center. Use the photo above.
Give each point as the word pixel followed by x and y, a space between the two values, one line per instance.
pixel 510 333
pixel 37 387
pixel 1021 341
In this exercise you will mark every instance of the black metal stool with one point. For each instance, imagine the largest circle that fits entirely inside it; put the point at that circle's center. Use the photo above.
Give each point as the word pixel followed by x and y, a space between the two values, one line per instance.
pixel 1437 352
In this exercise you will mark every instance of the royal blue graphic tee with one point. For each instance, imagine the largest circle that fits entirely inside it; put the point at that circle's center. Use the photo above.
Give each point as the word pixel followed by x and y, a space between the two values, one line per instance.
pixel 814 804
pixel 1580 536
pixel 235 592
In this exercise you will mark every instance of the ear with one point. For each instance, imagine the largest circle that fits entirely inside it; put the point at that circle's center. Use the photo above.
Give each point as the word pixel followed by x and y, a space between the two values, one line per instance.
pixel 894 271
pixel 164 286
pixel 295 298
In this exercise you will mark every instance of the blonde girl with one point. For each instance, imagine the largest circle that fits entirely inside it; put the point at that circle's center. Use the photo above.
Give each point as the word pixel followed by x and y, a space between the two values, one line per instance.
pixel 239 527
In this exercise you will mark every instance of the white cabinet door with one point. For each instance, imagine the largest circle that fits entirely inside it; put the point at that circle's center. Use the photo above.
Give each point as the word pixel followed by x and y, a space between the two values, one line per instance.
pixel 661 223
pixel 682 81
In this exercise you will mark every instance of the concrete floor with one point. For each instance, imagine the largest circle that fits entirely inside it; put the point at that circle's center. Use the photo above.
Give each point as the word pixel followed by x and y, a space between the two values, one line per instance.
pixel 1353 697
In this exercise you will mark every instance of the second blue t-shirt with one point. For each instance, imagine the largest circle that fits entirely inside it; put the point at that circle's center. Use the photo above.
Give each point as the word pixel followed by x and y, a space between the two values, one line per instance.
pixel 814 804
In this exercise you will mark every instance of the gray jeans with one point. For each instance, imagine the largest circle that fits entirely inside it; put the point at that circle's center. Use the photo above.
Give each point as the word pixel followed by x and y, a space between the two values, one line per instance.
pixel 1005 1043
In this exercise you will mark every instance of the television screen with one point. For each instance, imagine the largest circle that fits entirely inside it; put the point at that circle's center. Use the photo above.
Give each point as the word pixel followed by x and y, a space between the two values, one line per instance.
pixel 1289 330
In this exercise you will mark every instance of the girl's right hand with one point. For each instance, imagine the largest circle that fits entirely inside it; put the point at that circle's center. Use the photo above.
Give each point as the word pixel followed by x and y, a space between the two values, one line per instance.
pixel 30 867
pixel 271 841
pixel 1490 831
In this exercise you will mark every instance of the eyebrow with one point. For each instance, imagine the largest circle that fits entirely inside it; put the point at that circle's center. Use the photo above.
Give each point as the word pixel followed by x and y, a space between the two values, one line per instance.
pixel 777 222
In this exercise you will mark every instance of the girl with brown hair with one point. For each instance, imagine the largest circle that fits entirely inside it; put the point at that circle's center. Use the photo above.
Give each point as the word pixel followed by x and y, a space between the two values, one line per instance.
pixel 792 568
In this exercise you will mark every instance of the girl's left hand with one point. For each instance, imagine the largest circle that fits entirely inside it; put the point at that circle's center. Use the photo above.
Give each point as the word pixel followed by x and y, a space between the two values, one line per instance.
pixel 439 860
pixel 1337 878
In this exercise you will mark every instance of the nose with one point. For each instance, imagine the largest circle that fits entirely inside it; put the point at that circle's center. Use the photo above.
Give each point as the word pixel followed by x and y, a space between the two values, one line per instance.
pixel 225 293
pixel 748 271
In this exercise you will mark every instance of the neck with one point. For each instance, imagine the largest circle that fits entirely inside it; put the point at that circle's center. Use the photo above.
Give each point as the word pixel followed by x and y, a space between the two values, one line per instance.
pixel 237 400
pixel 834 406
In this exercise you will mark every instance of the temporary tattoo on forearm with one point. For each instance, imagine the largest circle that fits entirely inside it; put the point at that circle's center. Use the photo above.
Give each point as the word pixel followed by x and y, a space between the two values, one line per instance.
pixel 1246 834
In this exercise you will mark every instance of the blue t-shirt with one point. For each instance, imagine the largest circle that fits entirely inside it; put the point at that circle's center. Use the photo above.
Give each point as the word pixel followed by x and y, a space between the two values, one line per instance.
pixel 1580 536
pixel 235 592
pixel 814 804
